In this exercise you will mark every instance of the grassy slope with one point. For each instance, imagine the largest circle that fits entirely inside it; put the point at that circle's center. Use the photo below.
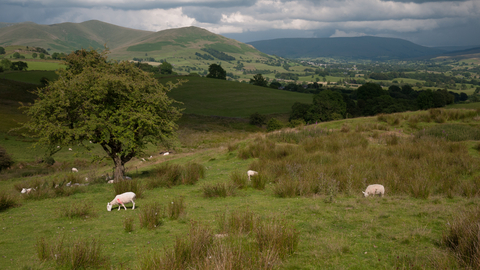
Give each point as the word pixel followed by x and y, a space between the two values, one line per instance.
pixel 206 96
pixel 351 233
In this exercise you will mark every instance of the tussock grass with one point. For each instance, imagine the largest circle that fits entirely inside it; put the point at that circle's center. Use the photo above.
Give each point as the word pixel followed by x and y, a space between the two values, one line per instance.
pixel 151 215
pixel 128 224
pixel 239 178
pixel 7 200
pixel 452 132
pixel 462 237
pixel 169 175
pixel 123 186
pixel 247 242
pixel 78 210
pixel 219 190
pixel 74 254
pixel 176 208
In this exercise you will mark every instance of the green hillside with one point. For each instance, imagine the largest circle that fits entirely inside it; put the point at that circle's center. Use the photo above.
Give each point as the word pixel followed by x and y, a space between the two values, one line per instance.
pixel 67 37
pixel 206 96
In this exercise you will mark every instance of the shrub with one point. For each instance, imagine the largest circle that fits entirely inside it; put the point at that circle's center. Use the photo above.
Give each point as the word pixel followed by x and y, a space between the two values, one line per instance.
pixel 257 119
pixel 151 215
pixel 277 236
pixel 49 160
pixel 274 124
pixel 5 159
pixel 6 201
pixel 462 238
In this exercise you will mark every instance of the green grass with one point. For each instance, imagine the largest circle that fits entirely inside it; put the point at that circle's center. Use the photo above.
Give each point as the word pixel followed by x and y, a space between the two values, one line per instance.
pixel 337 227
pixel 206 96
pixel 32 77
pixel 44 65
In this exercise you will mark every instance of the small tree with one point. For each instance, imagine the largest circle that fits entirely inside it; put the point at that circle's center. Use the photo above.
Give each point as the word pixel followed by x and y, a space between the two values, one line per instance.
pixel 34 55
pixel 16 55
pixel 2 50
pixel 166 68
pixel 42 56
pixel 259 80
pixel 113 104
pixel 216 72
pixel 6 64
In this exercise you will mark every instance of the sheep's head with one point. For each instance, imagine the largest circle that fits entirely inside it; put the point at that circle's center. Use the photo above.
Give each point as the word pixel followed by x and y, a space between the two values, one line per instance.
pixel 365 193
pixel 109 207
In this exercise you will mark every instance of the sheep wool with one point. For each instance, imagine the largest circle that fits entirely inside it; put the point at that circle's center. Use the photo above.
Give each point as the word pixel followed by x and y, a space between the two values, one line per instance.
pixel 373 190
pixel 121 199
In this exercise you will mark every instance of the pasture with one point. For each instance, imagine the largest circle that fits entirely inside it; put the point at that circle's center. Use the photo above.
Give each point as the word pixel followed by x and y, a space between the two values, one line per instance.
pixel 310 181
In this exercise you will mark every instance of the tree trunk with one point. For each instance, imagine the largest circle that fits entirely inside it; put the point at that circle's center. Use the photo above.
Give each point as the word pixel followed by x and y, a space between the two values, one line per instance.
pixel 119 169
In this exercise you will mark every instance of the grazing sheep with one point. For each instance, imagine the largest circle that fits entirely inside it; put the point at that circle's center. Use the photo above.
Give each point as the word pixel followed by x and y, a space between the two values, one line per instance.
pixel 251 173
pixel 110 181
pixel 166 153
pixel 74 170
pixel 121 199
pixel 374 190
pixel 26 190
pixel 69 149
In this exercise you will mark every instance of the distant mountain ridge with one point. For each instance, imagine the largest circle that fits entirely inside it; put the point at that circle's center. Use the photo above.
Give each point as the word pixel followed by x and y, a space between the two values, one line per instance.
pixel 376 48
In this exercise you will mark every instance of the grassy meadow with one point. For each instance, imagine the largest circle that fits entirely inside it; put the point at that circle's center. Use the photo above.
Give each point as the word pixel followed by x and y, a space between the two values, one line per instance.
pixel 305 210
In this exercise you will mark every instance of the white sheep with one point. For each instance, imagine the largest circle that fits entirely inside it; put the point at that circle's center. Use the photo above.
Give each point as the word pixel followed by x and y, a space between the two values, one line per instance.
pixel 110 181
pixel 121 199
pixel 26 190
pixel 251 173
pixel 166 153
pixel 74 170
pixel 374 190
pixel 69 149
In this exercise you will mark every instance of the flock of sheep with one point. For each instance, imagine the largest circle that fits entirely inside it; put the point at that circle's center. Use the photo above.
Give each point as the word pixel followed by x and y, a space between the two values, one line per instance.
pixel 129 197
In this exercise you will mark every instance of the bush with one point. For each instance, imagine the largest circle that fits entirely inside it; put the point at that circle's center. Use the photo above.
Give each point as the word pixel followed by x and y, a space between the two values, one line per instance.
pixel 239 179
pixel 192 173
pixel 5 159
pixel 257 119
pixel 49 160
pixel 274 124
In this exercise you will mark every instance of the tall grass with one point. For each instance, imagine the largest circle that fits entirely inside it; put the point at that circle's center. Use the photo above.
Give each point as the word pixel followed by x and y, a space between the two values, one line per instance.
pixel 247 242
pixel 75 254
pixel 151 215
pixel 219 190
pixel 168 175
pixel 420 166
pixel 7 200
pixel 176 208
pixel 123 186
pixel 78 210
pixel 463 238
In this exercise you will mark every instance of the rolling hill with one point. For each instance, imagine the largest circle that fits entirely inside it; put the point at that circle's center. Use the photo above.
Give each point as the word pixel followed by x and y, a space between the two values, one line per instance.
pixel 124 43
pixel 376 48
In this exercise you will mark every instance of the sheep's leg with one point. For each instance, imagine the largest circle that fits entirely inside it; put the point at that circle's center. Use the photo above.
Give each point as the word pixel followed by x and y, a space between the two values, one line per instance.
pixel 133 205
pixel 124 206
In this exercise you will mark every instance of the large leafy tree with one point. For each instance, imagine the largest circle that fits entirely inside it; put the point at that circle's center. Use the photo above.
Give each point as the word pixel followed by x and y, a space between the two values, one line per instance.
pixel 113 104
pixel 217 72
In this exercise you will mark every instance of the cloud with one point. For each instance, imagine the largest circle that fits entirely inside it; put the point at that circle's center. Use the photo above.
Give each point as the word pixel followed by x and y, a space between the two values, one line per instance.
pixel 323 18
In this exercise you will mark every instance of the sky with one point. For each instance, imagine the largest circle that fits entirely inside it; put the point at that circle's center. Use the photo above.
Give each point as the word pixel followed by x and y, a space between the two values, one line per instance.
pixel 424 22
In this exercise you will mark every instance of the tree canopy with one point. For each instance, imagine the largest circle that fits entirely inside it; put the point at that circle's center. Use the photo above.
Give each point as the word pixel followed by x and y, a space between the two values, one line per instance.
pixel 113 104
pixel 259 80
pixel 217 72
